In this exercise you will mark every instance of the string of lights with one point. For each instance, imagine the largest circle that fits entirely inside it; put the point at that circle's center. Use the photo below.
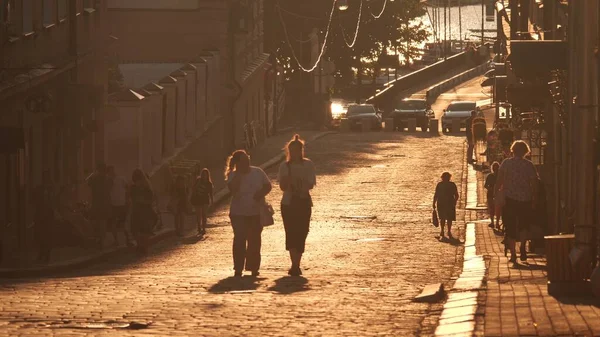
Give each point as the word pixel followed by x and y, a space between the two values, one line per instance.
pixel 287 38
pixel 382 10
pixel 351 45
pixel 300 16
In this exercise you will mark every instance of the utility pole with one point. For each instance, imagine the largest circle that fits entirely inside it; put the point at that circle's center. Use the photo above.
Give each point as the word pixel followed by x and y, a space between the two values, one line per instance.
pixel 482 20
pixel 460 37
pixel 445 30
pixel 586 107
pixel 407 43
pixel 450 23
pixel 514 19
pixel 274 66
pixel 439 21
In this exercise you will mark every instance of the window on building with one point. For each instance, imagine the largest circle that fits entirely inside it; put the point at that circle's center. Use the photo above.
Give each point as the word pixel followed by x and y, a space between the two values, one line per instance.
pixel 62 9
pixel 27 16
pixel 49 14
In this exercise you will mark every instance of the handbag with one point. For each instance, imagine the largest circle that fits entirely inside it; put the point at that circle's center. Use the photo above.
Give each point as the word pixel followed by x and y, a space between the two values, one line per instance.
pixel 434 218
pixel 266 214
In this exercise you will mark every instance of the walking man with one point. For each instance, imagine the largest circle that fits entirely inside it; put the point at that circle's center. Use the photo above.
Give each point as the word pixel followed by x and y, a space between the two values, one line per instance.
pixel 469 134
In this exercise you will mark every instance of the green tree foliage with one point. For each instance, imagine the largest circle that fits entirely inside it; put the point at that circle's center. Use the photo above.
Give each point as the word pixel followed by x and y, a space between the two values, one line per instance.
pixel 396 29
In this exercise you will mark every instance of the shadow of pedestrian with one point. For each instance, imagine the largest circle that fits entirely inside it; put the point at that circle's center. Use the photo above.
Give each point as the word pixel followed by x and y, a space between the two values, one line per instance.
pixel 290 284
pixel 579 300
pixel 453 241
pixel 528 266
pixel 235 284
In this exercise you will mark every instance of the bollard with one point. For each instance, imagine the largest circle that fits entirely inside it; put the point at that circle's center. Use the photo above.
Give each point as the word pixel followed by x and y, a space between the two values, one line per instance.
pixel 455 125
pixel 345 125
pixel 434 127
pixel 367 124
pixel 411 125
pixel 389 124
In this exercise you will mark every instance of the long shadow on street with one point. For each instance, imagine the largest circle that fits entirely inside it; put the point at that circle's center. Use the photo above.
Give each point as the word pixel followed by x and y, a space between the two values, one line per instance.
pixel 290 284
pixel 235 284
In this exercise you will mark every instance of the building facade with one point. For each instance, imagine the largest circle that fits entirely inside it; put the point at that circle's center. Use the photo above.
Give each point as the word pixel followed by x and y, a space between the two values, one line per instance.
pixel 52 91
pixel 223 40
pixel 554 93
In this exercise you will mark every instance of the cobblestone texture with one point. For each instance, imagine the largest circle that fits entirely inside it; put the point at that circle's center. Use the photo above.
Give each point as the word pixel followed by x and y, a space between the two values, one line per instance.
pixel 360 275
pixel 518 302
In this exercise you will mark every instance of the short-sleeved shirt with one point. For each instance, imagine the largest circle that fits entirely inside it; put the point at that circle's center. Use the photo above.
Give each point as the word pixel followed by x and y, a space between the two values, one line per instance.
pixel 304 178
pixel 519 176
pixel 243 202
pixel 445 191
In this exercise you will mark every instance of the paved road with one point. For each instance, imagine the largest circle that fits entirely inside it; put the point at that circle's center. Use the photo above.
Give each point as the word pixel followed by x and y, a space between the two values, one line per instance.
pixel 468 91
pixel 360 274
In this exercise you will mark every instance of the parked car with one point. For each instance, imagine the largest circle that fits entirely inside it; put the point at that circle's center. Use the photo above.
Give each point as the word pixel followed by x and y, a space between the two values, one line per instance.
pixel 460 110
pixel 413 108
pixel 358 112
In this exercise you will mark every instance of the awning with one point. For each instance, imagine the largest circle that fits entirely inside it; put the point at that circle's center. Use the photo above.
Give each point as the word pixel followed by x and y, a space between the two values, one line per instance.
pixel 530 59
pixel 528 97
pixel 488 82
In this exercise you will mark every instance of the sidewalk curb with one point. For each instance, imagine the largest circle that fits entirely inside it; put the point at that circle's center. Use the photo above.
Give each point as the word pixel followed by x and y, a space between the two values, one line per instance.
pixel 87 261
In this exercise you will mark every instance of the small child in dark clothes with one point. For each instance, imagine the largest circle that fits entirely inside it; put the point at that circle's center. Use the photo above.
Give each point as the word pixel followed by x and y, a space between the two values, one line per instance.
pixel 446 196
pixel 490 182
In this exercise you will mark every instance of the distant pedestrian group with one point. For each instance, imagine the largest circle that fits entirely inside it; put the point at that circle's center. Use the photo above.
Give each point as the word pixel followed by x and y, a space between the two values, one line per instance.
pixel 514 194
pixel 114 202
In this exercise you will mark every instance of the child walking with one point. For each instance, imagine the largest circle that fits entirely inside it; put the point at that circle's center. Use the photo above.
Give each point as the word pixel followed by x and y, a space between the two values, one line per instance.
pixel 445 198
pixel 202 197
pixel 179 203
pixel 490 182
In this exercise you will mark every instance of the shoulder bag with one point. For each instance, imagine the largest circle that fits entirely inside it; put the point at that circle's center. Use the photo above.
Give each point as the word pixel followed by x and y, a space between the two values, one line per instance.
pixel 266 214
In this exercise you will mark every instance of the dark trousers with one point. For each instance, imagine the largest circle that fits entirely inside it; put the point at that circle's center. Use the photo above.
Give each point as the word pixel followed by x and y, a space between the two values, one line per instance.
pixel 296 221
pixel 247 232
pixel 516 216
pixel 470 150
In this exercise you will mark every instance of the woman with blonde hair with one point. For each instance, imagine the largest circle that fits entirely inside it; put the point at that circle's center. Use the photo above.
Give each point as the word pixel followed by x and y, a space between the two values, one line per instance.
pixel 517 186
pixel 296 178
pixel 248 186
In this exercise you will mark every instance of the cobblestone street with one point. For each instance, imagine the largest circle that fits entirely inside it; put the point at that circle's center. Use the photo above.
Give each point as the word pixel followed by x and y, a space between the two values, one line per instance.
pixel 360 273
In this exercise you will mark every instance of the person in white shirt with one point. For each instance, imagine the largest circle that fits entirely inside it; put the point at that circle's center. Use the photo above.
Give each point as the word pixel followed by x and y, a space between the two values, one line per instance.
pixel 120 206
pixel 296 178
pixel 248 185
